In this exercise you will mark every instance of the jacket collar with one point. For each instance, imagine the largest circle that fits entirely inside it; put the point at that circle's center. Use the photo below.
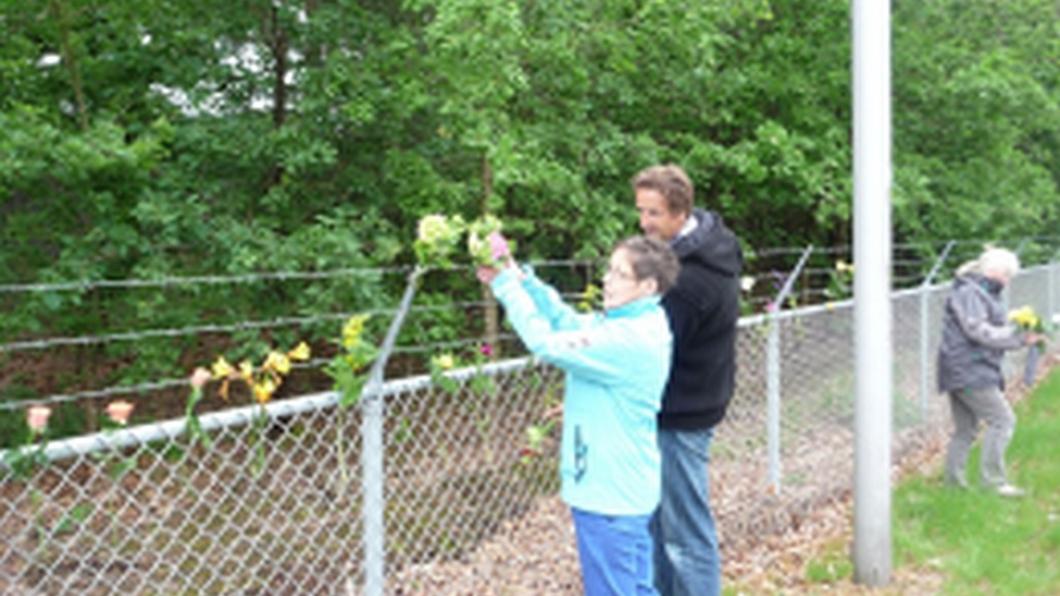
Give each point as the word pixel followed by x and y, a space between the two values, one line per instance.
pixel 633 308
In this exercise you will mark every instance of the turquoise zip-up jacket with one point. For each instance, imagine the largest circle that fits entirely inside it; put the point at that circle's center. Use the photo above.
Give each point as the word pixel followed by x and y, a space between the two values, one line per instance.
pixel 617 364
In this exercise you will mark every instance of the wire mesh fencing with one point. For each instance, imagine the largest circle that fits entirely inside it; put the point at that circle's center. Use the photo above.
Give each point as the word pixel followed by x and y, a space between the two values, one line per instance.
pixel 280 498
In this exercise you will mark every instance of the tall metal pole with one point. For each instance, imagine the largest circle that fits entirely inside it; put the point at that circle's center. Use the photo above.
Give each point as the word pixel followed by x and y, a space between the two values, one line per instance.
pixel 872 284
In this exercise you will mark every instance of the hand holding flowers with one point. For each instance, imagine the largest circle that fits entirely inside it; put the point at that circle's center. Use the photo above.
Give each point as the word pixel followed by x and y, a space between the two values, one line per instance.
pixel 485 244
pixel 1035 331
pixel 437 235
pixel 500 255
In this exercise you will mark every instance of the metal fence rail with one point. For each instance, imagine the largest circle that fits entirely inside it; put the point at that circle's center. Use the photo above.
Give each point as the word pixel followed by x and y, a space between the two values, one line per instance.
pixel 276 503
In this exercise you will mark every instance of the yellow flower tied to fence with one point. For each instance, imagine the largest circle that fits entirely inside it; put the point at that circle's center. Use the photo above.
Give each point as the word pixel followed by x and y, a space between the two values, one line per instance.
pixel 262 381
pixel 347 368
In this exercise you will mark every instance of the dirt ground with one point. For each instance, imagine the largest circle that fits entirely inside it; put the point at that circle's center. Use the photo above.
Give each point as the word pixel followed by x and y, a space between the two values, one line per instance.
pixel 535 554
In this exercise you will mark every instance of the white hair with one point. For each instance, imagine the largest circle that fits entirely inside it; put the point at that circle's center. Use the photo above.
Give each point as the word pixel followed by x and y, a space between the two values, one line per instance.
pixel 998 261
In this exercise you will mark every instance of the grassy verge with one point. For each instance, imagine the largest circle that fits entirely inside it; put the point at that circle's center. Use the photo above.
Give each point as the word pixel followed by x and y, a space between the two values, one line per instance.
pixel 948 541
pixel 984 544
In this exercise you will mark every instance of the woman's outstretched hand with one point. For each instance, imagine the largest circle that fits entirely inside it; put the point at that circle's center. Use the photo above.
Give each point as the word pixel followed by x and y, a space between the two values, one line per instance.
pixel 501 252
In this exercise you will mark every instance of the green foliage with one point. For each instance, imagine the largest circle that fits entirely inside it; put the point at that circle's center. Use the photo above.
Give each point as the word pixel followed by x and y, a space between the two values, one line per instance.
pixel 195 430
pixel 977 118
pixel 158 139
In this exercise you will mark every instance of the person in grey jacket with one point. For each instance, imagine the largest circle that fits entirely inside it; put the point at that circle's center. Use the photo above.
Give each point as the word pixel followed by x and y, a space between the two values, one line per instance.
pixel 975 335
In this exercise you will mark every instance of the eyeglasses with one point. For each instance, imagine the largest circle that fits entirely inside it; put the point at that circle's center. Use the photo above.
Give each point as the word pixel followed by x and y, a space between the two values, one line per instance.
pixel 620 274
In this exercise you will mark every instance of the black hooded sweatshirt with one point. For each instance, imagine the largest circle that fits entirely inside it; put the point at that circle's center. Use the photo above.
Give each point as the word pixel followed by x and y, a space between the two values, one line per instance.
pixel 703 308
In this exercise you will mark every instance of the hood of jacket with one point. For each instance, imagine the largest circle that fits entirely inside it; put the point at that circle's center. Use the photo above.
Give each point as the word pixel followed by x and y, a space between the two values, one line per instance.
pixel 711 244
pixel 990 286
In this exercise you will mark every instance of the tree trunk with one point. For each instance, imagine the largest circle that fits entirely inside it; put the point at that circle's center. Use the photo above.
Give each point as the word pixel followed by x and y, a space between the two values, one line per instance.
pixel 278 44
pixel 73 70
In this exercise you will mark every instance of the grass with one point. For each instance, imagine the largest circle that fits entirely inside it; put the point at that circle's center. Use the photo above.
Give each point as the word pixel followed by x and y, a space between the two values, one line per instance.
pixel 981 543
pixel 973 541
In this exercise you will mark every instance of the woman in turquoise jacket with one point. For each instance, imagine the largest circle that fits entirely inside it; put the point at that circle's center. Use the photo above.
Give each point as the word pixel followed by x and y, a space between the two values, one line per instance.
pixel 617 363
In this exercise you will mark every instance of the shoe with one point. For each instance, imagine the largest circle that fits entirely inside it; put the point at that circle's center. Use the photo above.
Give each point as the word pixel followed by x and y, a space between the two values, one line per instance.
pixel 1010 491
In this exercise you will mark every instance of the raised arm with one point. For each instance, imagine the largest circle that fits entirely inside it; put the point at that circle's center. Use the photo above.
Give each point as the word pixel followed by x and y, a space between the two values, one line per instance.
pixel 588 349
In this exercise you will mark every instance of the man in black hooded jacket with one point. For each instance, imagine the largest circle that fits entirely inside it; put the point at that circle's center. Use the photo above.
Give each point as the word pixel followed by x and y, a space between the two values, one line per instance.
pixel 703 308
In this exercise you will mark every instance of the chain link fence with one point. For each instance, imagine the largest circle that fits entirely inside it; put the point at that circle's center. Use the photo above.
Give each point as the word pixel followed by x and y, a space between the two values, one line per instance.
pixel 280 500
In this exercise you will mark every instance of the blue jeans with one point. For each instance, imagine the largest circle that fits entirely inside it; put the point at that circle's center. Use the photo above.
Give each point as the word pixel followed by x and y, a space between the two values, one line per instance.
pixel 615 553
pixel 687 561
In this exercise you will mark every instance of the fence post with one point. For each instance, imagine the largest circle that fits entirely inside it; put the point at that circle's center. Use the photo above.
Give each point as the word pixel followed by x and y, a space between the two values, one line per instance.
pixel 925 339
pixel 1052 285
pixel 372 451
pixel 773 372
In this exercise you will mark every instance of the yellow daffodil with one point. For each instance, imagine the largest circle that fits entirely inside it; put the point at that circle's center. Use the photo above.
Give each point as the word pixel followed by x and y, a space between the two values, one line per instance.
pixel 263 391
pixel 352 330
pixel 1025 317
pixel 278 362
pixel 246 370
pixel 299 352
pixel 221 368
pixel 590 296
pixel 444 361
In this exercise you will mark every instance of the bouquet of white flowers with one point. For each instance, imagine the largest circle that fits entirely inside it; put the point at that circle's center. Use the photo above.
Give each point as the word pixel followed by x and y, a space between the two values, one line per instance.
pixel 436 238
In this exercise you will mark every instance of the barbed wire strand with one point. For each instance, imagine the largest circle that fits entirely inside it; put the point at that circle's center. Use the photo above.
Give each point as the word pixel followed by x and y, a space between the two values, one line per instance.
pixel 243 278
pixel 9 402
pixel 52 342
pixel 589 262
pixel 85 285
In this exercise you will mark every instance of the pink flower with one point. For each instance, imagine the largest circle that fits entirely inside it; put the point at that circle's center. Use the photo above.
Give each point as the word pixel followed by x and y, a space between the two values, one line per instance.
pixel 771 307
pixel 37 418
pixel 200 377
pixel 487 350
pixel 119 411
pixel 498 246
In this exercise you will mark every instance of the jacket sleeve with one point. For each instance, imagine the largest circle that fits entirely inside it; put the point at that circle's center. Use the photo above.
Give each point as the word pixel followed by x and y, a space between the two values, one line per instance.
pixel 560 314
pixel 591 351
pixel 973 318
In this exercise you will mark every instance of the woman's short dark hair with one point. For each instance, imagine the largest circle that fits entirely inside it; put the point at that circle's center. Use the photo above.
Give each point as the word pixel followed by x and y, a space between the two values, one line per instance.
pixel 652 259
